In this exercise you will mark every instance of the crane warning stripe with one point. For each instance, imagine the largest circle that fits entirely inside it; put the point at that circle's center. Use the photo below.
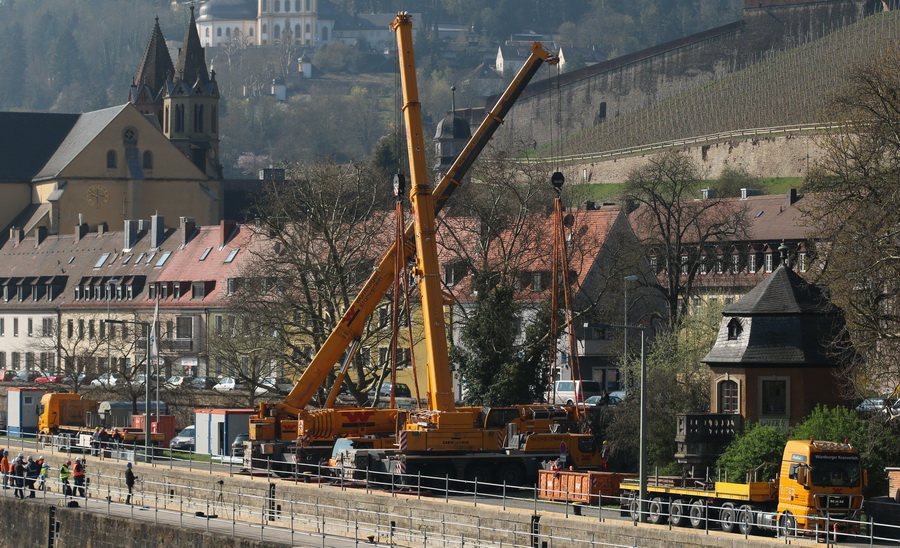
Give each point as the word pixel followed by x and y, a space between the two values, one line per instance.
pixel 400 467
pixel 402 441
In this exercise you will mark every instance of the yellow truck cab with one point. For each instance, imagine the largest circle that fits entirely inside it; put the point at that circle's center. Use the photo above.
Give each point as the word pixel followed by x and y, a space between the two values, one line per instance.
pixel 818 481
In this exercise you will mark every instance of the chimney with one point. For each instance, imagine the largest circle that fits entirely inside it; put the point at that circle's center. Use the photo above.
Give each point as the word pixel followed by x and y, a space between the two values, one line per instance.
pixel 131 232
pixel 157 230
pixel 792 196
pixel 708 194
pixel 227 228
pixel 81 229
pixel 588 205
pixel 102 228
pixel 15 234
pixel 40 234
pixel 188 226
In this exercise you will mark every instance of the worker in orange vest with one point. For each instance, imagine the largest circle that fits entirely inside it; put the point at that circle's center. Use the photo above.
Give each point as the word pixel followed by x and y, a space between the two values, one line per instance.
pixel 78 476
pixel 4 469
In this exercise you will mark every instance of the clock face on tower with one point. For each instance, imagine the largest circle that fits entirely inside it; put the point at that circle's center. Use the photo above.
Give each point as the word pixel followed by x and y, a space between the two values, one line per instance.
pixel 97 195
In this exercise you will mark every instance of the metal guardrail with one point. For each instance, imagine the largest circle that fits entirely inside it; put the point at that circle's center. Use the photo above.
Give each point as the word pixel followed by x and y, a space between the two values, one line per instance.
pixel 300 518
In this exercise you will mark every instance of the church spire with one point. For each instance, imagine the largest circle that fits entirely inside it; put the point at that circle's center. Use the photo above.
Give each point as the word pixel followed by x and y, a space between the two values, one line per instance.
pixel 191 67
pixel 156 64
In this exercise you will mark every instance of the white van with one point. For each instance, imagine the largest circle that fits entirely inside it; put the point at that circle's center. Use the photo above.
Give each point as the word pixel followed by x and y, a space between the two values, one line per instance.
pixel 568 392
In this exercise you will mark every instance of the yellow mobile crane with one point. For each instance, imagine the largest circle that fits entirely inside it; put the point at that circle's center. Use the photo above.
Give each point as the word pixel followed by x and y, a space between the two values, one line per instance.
pixel 442 440
pixel 283 433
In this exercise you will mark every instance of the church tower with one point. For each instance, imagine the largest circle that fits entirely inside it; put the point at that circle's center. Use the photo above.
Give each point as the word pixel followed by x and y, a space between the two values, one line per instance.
pixel 156 69
pixel 191 106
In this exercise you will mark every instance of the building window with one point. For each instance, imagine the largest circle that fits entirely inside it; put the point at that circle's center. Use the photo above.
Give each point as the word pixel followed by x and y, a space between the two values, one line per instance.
pixel 720 264
pixel 111 159
pixel 217 322
pixel 770 260
pixel 46 327
pixel 684 264
pixel 277 6
pixel 219 32
pixel 15 327
pixel 2 327
pixel 184 327
pixel 91 331
pixel 735 263
pixel 29 361
pixel 751 263
pixel 228 32
pixel 70 328
pixel 801 261
pixel 207 32
pixel 728 397
pixel 15 361
pixel 80 329
pixel 774 396
pixel 148 159
pixel 198 290
pixel 702 264
pixel 735 329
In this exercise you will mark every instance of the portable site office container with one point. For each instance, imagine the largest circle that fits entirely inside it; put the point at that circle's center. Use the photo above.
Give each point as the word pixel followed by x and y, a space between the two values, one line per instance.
pixel 215 429
pixel 22 411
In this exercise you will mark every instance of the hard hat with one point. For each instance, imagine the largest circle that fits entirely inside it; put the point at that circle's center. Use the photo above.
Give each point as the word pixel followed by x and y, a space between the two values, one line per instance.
pixel 21 455
pixel 128 465
pixel 68 462
pixel 29 457
pixel 41 457
pixel 78 459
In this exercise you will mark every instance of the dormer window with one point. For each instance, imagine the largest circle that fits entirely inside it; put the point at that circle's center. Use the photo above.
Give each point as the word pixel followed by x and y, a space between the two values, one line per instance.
pixel 734 329
pixel 735 263
pixel 770 262
pixel 801 261
pixel 751 263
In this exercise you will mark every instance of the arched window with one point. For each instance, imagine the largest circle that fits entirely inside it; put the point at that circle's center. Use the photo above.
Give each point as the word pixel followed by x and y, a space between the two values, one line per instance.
pixel 307 4
pixel 207 32
pixel 251 32
pixel 148 159
pixel 264 29
pixel 111 159
pixel 735 329
pixel 297 31
pixel 166 121
pixel 324 34
pixel 307 28
pixel 602 114
pixel 219 31
pixel 198 118
pixel 277 32
pixel 277 6
pixel 228 32
pixel 214 120
pixel 728 397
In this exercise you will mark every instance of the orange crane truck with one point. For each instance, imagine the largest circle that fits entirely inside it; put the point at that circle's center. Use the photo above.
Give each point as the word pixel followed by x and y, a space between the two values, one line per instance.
pixel 286 433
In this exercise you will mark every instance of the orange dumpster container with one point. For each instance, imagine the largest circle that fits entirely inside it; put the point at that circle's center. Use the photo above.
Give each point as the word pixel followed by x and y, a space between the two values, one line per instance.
pixel 578 486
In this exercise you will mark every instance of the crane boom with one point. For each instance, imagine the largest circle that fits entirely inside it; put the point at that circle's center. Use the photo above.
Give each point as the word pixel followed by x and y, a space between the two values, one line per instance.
pixel 352 324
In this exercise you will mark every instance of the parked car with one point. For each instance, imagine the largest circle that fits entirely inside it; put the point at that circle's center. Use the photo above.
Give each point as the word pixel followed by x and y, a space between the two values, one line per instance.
pixel 139 380
pixel 872 405
pixel 7 375
pixel 108 379
pixel 83 378
pixel 237 446
pixel 53 378
pixel 569 392
pixel 595 401
pixel 176 381
pixel 228 384
pixel 272 384
pixel 26 376
pixel 203 383
pixel 401 391
pixel 184 441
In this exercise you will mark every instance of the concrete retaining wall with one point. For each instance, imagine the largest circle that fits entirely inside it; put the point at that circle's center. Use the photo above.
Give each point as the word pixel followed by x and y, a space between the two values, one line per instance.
pixel 174 488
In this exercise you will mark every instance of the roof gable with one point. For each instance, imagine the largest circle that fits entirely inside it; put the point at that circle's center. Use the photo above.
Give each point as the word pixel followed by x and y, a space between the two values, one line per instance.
pixel 81 134
pixel 29 140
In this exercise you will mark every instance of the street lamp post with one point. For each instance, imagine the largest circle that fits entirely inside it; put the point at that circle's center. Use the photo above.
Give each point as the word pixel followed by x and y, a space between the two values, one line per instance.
pixel 625 281
pixel 642 433
pixel 147 457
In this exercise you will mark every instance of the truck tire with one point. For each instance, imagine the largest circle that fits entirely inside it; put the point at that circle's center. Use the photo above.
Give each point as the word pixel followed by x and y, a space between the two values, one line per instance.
pixel 698 514
pixel 746 520
pixel 511 474
pixel 787 525
pixel 656 511
pixel 728 518
pixel 677 513
pixel 481 472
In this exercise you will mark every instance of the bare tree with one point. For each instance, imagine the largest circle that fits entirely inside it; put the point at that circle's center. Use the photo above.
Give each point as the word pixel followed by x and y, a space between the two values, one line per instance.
pixel 322 231
pixel 857 214
pixel 676 230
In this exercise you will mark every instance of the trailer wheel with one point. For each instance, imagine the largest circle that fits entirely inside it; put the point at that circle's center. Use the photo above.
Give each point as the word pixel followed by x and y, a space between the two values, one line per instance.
pixel 677 513
pixel 727 518
pixel 656 512
pixel 512 474
pixel 787 525
pixel 698 517
pixel 746 520
pixel 481 472
pixel 634 509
